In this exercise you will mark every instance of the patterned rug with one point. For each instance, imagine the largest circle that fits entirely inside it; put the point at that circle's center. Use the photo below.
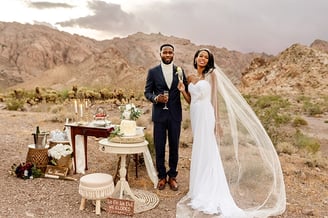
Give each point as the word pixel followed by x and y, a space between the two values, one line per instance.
pixel 151 200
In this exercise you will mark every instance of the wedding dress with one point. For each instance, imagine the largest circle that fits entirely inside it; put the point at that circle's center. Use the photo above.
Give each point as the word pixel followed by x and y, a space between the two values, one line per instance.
pixel 235 173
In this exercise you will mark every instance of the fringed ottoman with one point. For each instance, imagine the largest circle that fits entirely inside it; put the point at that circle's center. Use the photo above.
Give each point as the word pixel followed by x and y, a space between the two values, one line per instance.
pixel 95 186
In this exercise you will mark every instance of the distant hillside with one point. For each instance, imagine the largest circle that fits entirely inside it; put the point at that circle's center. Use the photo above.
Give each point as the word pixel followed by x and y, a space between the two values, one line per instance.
pixel 297 70
pixel 35 55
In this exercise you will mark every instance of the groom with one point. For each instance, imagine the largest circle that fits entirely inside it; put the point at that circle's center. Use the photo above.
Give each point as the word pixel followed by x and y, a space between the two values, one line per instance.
pixel 167 122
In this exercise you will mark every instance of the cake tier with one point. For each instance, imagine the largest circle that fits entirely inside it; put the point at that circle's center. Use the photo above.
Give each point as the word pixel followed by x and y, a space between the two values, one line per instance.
pixel 128 139
pixel 128 127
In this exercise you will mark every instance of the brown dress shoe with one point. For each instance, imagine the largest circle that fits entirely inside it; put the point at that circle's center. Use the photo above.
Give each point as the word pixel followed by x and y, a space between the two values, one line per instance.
pixel 161 184
pixel 173 184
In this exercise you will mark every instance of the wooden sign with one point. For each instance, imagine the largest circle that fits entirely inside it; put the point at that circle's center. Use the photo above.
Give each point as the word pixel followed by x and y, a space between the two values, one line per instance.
pixel 120 206
pixel 57 171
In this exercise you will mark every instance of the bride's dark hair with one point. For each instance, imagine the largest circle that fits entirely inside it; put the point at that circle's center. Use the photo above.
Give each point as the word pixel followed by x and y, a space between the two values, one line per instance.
pixel 210 65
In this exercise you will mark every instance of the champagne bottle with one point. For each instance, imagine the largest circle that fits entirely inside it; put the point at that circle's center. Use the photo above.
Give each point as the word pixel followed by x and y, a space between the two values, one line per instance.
pixel 36 136
pixel 37 132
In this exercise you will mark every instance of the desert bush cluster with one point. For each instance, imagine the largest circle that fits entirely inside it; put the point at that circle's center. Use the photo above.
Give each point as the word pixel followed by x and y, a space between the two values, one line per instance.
pixel 277 113
pixel 17 99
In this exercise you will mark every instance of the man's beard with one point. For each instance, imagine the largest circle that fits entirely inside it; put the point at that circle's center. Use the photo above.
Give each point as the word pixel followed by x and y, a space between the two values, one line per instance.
pixel 165 61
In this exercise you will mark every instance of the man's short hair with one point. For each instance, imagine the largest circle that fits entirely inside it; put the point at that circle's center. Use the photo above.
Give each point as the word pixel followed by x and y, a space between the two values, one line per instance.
pixel 166 45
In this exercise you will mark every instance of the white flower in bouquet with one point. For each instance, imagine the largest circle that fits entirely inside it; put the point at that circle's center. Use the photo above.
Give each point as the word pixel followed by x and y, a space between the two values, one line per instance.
pixel 60 150
pixel 130 112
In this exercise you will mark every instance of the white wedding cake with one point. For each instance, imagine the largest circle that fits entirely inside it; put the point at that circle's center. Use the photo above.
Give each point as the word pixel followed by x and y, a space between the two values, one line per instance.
pixel 128 127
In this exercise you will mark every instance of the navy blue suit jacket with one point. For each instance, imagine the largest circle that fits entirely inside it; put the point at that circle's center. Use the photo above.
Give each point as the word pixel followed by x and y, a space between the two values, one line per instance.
pixel 155 85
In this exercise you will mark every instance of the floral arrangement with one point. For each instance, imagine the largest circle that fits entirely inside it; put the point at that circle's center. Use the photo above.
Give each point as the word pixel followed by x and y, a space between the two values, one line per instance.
pixel 60 150
pixel 115 132
pixel 25 171
pixel 179 73
pixel 130 112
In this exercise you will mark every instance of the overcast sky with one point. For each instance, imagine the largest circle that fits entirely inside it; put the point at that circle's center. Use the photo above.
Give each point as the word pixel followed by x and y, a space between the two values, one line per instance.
pixel 268 26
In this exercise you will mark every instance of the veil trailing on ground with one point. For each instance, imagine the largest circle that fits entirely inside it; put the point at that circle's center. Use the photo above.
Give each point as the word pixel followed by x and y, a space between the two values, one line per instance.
pixel 250 161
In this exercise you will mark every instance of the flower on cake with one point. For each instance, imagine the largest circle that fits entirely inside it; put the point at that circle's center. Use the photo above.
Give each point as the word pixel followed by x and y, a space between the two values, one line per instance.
pixel 116 131
pixel 130 112
pixel 60 150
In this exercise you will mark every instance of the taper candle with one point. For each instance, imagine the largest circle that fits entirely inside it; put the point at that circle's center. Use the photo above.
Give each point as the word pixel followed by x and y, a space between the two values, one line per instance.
pixel 75 106
pixel 81 110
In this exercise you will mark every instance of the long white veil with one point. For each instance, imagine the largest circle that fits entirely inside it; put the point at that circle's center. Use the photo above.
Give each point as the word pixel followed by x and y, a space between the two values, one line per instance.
pixel 250 161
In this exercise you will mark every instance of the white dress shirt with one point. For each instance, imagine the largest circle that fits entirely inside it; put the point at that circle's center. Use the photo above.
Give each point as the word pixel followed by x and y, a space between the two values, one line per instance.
pixel 168 73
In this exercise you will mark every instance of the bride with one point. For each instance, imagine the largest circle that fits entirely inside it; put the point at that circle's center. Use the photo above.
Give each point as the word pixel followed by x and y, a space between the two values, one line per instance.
pixel 235 171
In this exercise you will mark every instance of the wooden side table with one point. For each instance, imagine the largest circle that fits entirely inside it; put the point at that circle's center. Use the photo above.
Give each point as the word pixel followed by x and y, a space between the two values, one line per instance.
pixel 99 132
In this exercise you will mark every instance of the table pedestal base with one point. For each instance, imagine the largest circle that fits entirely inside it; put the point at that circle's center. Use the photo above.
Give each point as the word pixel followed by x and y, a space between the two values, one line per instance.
pixel 122 185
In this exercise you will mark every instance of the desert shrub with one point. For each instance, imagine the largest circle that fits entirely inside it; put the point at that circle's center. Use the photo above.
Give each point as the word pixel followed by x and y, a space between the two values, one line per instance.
pixel 51 97
pixel 139 96
pixel 71 94
pixel 312 109
pixel 325 103
pixel 64 94
pixel 285 147
pixel 80 93
pixel 302 98
pixel 14 104
pixel 306 142
pixel 299 121
pixel 106 94
pixel 282 118
pixel 271 110
pixel 18 93
pixel 271 101
pixel 119 94
pixel 317 160
pixel 249 99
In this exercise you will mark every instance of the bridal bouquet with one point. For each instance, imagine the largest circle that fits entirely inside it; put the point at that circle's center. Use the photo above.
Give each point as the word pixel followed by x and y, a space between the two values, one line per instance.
pixel 60 150
pixel 130 112
pixel 179 73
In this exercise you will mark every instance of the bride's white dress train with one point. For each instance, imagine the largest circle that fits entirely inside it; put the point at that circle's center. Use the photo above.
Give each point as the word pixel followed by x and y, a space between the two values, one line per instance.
pixel 238 173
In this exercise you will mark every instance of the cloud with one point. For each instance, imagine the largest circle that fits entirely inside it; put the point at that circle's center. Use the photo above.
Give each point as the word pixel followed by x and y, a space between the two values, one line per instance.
pixel 107 17
pixel 256 25
pixel 47 5
pixel 262 26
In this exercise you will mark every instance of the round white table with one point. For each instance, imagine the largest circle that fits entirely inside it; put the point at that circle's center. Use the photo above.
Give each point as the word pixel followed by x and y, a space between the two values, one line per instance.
pixel 123 150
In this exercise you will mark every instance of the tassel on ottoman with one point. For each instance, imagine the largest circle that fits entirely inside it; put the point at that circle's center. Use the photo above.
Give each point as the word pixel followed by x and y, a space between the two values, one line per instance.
pixel 95 186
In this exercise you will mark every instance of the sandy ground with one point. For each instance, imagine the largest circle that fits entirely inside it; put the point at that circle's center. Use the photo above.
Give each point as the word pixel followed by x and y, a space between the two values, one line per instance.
pixel 307 187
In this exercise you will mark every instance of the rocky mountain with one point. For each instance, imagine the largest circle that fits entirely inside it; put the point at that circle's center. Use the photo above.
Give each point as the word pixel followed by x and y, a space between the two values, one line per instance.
pixel 35 55
pixel 297 70
pixel 320 45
